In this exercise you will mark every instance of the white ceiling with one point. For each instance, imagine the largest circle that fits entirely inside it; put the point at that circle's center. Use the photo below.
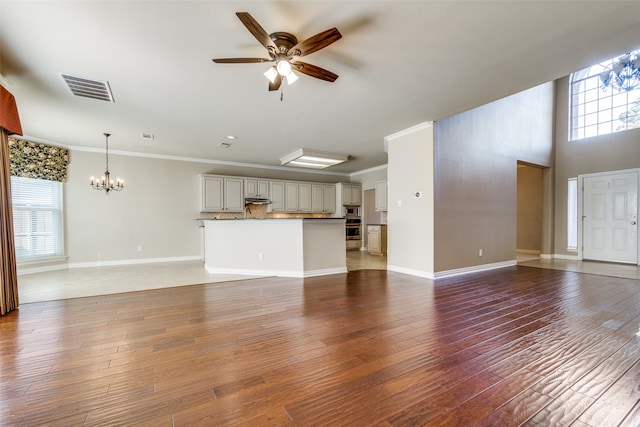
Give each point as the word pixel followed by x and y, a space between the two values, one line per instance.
pixel 400 63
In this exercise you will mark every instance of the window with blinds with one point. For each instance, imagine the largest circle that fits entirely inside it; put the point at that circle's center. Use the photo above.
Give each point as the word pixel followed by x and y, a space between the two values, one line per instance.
pixel 37 218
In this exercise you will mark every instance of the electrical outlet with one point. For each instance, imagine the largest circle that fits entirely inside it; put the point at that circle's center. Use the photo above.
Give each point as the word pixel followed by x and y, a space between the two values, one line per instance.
pixel 261 256
pixel 479 252
pixel 139 248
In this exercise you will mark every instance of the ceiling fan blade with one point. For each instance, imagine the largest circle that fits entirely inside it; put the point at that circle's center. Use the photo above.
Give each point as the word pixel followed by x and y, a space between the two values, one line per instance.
pixel 315 71
pixel 276 83
pixel 258 32
pixel 239 60
pixel 315 43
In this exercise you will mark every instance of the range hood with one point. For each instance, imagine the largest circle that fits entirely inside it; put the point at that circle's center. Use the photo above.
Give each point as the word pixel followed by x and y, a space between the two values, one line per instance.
pixel 256 201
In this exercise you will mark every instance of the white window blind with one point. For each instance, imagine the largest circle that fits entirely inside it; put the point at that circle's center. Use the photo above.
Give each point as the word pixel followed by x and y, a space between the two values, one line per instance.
pixel 37 218
pixel 572 214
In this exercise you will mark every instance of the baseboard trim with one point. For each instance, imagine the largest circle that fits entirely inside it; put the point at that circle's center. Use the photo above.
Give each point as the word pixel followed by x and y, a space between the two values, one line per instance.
pixel 106 263
pixel 474 269
pixel 411 271
pixel 277 273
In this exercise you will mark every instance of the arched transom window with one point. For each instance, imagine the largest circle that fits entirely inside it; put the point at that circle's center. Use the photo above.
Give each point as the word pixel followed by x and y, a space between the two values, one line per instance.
pixel 605 97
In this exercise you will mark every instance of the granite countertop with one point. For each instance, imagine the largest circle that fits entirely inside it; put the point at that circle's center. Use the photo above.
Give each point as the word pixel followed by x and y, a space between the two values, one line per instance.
pixel 263 219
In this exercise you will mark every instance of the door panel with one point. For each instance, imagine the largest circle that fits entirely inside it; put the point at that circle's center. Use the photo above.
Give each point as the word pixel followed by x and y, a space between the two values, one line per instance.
pixel 610 207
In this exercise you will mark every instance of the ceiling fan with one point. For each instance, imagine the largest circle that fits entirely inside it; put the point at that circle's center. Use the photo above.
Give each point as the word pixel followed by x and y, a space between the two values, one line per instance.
pixel 284 51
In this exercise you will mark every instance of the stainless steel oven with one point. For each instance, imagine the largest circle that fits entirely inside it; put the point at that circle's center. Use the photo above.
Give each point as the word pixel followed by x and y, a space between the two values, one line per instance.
pixel 353 228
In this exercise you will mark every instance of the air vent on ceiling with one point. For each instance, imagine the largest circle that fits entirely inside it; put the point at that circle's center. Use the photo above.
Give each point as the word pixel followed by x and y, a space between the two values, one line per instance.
pixel 94 89
pixel 224 145
pixel 147 136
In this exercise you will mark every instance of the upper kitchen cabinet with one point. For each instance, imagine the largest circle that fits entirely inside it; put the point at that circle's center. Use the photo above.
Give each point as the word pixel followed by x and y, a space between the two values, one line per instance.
pixel 351 194
pixel 381 195
pixel 277 196
pixel 255 187
pixel 329 198
pixel 323 198
pixel 297 196
pixel 222 194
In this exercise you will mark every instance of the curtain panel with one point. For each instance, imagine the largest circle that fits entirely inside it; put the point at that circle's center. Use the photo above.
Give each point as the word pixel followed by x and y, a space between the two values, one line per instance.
pixel 35 160
pixel 9 124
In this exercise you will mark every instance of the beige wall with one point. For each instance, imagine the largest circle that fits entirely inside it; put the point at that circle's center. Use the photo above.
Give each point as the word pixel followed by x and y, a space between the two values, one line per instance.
pixel 410 239
pixel 613 152
pixel 476 155
pixel 156 210
pixel 369 177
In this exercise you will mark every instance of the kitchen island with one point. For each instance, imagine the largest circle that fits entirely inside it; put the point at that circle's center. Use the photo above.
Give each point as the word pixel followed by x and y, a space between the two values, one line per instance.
pixel 288 247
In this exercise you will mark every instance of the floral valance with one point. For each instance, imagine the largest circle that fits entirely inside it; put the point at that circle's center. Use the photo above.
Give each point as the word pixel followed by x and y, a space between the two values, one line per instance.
pixel 34 160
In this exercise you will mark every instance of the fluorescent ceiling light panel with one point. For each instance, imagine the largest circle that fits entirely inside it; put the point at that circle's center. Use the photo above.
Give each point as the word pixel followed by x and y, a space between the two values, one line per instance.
pixel 314 159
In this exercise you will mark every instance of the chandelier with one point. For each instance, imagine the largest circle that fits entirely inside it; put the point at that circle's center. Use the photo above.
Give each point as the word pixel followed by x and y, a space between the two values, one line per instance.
pixel 623 74
pixel 106 183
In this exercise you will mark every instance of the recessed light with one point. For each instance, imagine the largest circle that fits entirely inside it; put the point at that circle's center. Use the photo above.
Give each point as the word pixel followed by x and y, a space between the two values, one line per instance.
pixel 231 137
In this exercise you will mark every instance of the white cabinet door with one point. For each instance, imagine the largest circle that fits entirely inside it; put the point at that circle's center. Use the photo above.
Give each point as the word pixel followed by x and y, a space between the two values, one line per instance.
pixel 346 194
pixel 304 197
pixel 356 195
pixel 317 198
pixel 351 194
pixel 220 194
pixel 291 196
pixel 374 239
pixel 254 187
pixel 329 198
pixel 277 196
pixel 263 188
pixel 212 190
pixel 381 195
pixel 251 187
pixel 233 194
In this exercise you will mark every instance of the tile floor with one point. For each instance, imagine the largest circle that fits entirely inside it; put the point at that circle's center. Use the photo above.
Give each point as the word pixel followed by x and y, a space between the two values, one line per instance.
pixel 91 281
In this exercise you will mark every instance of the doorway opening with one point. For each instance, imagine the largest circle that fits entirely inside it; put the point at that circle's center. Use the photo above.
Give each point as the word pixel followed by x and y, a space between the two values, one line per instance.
pixel 530 218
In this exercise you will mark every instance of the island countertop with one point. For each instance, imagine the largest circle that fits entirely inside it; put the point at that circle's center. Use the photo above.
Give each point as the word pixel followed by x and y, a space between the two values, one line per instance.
pixel 271 219
pixel 289 247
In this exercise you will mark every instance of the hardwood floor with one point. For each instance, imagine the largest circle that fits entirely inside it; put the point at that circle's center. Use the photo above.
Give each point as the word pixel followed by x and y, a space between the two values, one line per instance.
pixel 515 346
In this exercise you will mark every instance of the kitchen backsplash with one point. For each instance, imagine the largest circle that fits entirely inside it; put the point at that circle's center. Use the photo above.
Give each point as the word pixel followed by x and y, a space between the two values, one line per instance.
pixel 259 211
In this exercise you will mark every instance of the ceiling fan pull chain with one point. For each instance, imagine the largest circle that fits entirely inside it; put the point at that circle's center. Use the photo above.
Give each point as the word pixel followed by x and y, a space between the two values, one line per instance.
pixel 281 94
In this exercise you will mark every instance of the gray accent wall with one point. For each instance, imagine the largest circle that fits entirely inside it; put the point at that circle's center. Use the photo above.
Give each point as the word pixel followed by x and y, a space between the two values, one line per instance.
pixel 475 174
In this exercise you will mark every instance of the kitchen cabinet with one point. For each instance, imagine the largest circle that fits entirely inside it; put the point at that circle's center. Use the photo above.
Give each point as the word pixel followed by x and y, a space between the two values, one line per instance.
pixel 297 196
pixel 381 195
pixel 377 239
pixel 323 198
pixel 329 201
pixel 254 187
pixel 351 194
pixel 304 197
pixel 277 196
pixel 317 198
pixel 222 194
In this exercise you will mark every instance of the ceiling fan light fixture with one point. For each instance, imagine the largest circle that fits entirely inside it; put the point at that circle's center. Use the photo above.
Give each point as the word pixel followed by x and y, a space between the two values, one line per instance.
pixel 283 68
pixel 314 159
pixel 291 78
pixel 271 74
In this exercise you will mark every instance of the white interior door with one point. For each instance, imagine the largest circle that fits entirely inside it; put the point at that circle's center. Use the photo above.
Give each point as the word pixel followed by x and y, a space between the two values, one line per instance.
pixel 610 215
